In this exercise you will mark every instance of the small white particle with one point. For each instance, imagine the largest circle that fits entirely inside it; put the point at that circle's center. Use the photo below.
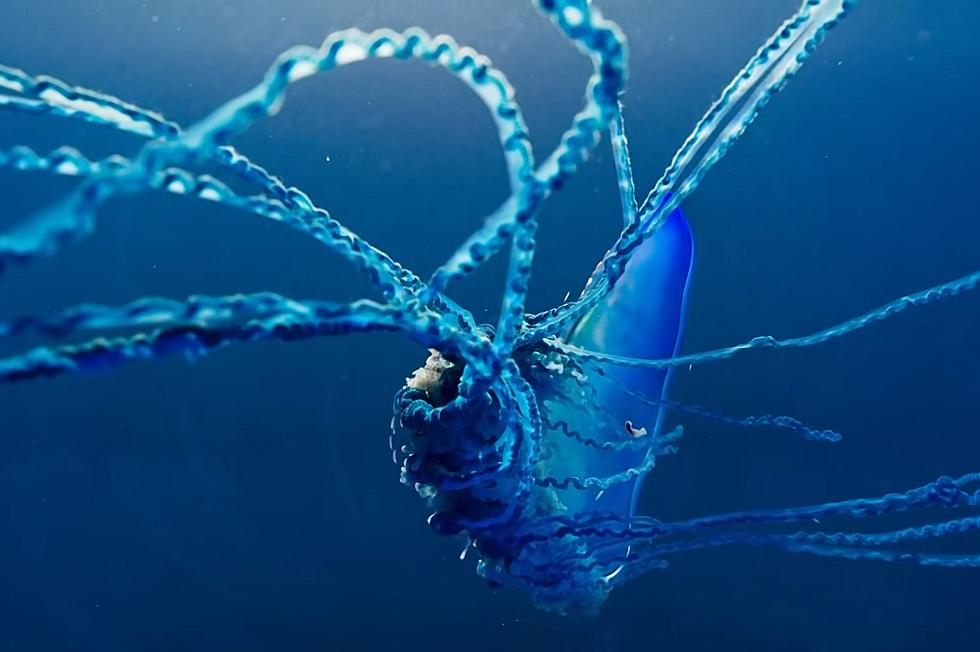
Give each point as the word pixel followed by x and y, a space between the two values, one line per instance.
pixel 210 194
pixel 573 16
pixel 301 70
pixel 349 53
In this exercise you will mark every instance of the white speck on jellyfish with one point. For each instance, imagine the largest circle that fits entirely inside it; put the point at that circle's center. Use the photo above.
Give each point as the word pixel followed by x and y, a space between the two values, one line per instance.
pixel 573 16
pixel 68 167
pixel 210 194
pixel 385 50
pixel 302 70
pixel 349 53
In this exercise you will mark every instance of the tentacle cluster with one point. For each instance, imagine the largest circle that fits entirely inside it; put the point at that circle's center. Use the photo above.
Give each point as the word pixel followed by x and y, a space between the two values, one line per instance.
pixel 479 431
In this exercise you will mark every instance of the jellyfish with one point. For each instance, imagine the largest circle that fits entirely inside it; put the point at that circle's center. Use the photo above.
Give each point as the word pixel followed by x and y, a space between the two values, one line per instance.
pixel 528 438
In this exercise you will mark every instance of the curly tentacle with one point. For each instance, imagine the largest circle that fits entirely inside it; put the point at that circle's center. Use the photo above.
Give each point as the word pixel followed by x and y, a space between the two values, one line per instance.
pixel 288 321
pixel 726 120
pixel 605 44
pixel 922 298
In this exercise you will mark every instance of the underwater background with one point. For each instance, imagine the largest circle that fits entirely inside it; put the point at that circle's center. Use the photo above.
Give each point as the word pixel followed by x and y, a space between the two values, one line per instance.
pixel 248 501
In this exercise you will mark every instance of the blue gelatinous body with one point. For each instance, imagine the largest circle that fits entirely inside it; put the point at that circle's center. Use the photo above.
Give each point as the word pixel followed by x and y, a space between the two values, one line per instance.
pixel 527 439
pixel 642 317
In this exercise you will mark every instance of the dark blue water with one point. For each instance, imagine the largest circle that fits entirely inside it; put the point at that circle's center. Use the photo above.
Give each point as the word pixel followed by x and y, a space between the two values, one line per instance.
pixel 248 501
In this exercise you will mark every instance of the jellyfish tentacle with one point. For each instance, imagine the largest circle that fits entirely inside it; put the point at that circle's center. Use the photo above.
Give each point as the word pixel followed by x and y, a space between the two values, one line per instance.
pixel 158 311
pixel 353 45
pixel 605 44
pixel 74 218
pixel 64 160
pixel 71 220
pixel 198 339
pixel 661 442
pixel 763 76
pixel 748 93
pixel 725 121
pixel 654 553
pixel 763 420
pixel 944 492
pixel 601 40
pixel 31 239
pixel 59 98
pixel 586 399
pixel 54 95
pixel 624 169
pixel 921 298
pixel 68 161
pixel 106 119
pixel 904 535
pixel 892 556
pixel 342 48
pixel 92 106
pixel 592 482
pixel 490 85
pixel 649 539
pixel 846 545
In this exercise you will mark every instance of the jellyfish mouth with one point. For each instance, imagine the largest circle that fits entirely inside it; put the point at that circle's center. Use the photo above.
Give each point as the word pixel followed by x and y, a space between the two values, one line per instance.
pixel 438 378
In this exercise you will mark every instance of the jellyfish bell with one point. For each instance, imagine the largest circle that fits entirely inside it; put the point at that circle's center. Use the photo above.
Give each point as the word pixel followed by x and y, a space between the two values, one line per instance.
pixel 551 441
pixel 528 440
pixel 642 317
pixel 604 430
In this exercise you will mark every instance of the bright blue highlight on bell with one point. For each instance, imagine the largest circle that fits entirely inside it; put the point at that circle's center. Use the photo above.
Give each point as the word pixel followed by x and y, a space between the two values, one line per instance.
pixel 528 438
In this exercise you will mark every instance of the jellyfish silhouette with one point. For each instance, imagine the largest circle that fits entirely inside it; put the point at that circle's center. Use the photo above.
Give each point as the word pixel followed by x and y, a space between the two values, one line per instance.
pixel 527 438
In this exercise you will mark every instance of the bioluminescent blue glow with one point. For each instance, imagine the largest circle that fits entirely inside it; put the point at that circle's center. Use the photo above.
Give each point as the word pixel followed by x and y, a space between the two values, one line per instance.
pixel 528 437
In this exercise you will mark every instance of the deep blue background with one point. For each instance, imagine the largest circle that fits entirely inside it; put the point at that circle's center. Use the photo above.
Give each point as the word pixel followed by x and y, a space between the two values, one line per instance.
pixel 248 501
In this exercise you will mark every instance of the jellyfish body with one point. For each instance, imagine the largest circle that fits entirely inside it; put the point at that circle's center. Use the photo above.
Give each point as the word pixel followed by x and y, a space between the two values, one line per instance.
pixel 642 317
pixel 508 485
pixel 598 440
pixel 528 440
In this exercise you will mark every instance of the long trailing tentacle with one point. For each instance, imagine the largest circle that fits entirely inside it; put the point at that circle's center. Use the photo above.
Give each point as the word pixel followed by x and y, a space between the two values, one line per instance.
pixel 194 328
pixel 945 493
pixel 350 46
pixel 641 543
pixel 24 242
pixel 73 218
pixel 921 298
pixel 202 310
pixel 605 44
pixel 726 120
pixel 580 395
pixel 624 169
pixel 48 94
